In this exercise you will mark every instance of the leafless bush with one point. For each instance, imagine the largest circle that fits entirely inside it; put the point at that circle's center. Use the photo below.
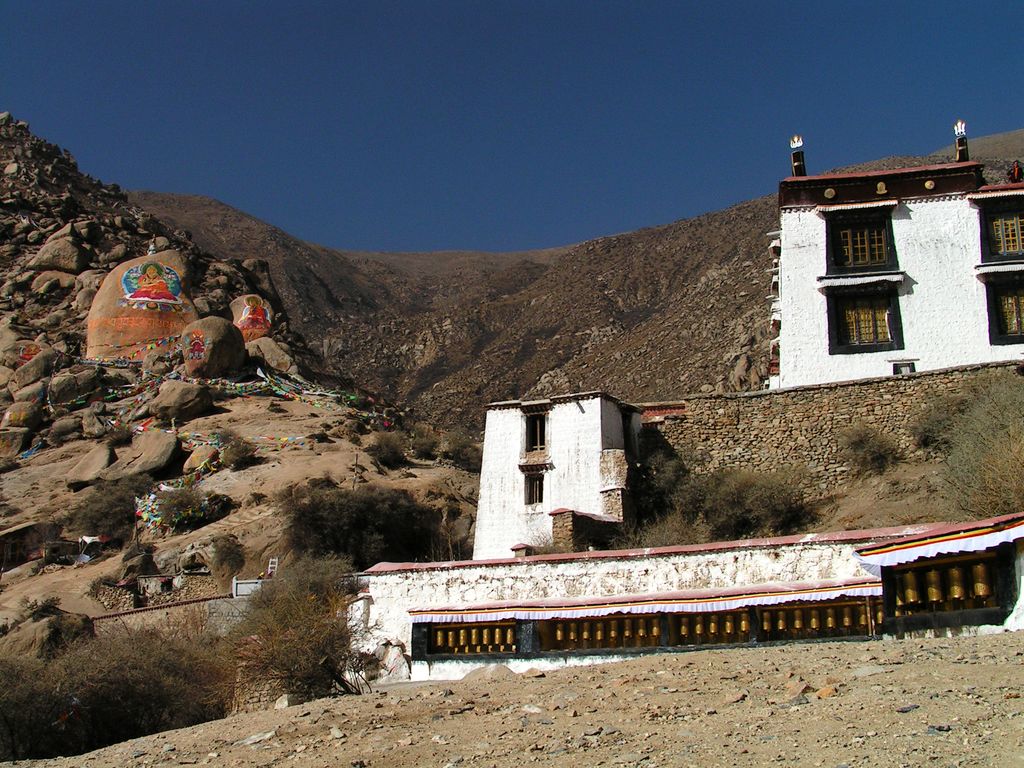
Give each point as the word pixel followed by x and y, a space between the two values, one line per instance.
pixel 236 452
pixel 389 449
pixel 867 449
pixel 108 508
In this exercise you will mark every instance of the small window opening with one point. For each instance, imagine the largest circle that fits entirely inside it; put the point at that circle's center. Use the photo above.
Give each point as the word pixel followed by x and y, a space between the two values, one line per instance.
pixel 536 439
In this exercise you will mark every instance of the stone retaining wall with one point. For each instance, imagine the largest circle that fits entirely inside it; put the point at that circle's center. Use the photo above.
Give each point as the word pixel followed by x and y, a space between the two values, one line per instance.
pixel 801 427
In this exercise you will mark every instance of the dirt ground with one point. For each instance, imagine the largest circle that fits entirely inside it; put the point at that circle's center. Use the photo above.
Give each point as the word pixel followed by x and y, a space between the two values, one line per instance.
pixel 942 702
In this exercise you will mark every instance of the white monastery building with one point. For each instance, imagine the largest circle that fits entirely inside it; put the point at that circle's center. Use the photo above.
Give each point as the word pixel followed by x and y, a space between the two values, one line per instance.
pixel 568 454
pixel 896 271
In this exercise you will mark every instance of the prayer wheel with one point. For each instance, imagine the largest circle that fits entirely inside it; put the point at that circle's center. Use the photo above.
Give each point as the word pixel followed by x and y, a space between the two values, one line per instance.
pixel 486 635
pixel 655 628
pixel 559 631
pixel 684 627
pixel 956 583
pixel 862 616
pixel 744 623
pixel 933 585
pixel 780 621
pixel 510 637
pixel 766 621
pixel 879 618
pixel 847 617
pixel 830 618
pixel 439 639
pixel 729 624
pixel 451 638
pixel 698 625
pixel 641 627
pixel 980 582
pixel 627 627
pixel 586 630
pixel 474 636
pixel 599 632
pixel 572 632
pixel 613 630
pixel 815 620
pixel 713 624
pixel 911 596
pixel 463 637
pixel 798 620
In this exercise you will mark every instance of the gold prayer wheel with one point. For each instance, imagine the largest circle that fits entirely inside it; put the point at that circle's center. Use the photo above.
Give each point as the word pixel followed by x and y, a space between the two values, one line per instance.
pixel 766 621
pixel 474 636
pixel 862 616
pixel 713 624
pixel 439 638
pixel 980 580
pixel 487 635
pixel 729 626
pixel 586 630
pixel 815 619
pixel 780 621
pixel 830 618
pixel 510 637
pixel 933 585
pixel 641 627
pixel 572 632
pixel 744 623
pixel 559 631
pixel 627 627
pixel 798 619
pixel 655 628
pixel 847 617
pixel 698 625
pixel 956 583
pixel 462 637
pixel 451 638
pixel 879 618
pixel 911 596
pixel 684 626
pixel 613 630
pixel 599 631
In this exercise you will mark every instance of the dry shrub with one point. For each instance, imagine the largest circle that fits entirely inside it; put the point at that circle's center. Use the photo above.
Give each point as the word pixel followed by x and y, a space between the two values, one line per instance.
pixel 933 423
pixel 108 508
pixel 366 524
pixel 235 451
pixel 424 445
pixel 185 509
pixel 228 554
pixel 296 630
pixel 868 450
pixel 986 452
pixel 462 451
pixel 389 449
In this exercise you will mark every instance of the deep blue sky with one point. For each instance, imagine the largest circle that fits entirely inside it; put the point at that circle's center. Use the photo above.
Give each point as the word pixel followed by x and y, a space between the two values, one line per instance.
pixel 497 125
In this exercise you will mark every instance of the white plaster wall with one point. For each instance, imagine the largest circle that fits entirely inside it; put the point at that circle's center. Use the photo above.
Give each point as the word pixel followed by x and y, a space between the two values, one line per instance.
pixel 456 670
pixel 394 593
pixel 942 303
pixel 576 431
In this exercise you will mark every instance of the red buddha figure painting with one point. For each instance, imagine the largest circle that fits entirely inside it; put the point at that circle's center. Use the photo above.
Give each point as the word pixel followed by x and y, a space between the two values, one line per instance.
pixel 255 320
pixel 152 286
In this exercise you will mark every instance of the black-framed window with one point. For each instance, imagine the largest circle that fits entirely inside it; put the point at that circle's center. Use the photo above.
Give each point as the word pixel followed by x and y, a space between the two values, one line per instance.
pixel 1006 311
pixel 864 321
pixel 1004 234
pixel 534 488
pixel 536 432
pixel 861 243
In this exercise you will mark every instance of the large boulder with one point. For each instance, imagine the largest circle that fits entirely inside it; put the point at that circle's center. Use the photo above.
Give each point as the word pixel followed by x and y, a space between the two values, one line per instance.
pixel 90 467
pixel 150 453
pixel 63 254
pixel 67 388
pixel 180 401
pixel 47 281
pixel 212 347
pixel 269 353
pixel 252 315
pixel 13 440
pixel 35 369
pixel 200 456
pixel 141 305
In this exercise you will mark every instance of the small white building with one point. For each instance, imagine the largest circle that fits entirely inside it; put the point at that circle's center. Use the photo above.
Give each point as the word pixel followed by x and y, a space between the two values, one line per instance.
pixel 896 271
pixel 567 453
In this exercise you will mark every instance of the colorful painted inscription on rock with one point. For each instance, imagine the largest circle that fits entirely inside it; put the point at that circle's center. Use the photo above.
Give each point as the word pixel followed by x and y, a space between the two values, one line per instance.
pixel 194 345
pixel 252 316
pixel 152 286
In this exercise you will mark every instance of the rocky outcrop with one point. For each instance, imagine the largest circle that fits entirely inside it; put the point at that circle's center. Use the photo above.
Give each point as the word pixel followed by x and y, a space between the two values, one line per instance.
pixel 150 453
pixel 268 352
pixel 90 467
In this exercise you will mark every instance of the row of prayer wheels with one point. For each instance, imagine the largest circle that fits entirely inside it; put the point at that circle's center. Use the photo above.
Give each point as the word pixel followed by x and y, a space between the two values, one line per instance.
pixel 837 620
pixel 964 585
pixel 475 638
pixel 600 633
pixel 706 628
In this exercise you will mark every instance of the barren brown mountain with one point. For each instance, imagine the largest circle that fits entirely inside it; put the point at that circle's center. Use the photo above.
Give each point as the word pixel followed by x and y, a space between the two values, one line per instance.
pixel 648 315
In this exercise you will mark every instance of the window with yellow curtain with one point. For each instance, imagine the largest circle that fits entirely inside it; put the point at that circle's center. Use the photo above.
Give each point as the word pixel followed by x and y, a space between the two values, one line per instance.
pixel 1005 235
pixel 1009 302
pixel 864 319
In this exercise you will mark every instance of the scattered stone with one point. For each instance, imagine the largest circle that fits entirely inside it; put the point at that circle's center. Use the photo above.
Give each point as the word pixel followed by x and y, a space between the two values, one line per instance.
pixel 268 352
pixel 43 281
pixel 869 671
pixel 181 401
pixel 827 692
pixel 90 467
pixel 256 738
pixel 62 254
pixel 907 708
pixel 39 366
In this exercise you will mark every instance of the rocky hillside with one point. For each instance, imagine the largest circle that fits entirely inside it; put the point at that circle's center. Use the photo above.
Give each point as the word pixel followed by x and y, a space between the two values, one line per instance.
pixel 647 315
